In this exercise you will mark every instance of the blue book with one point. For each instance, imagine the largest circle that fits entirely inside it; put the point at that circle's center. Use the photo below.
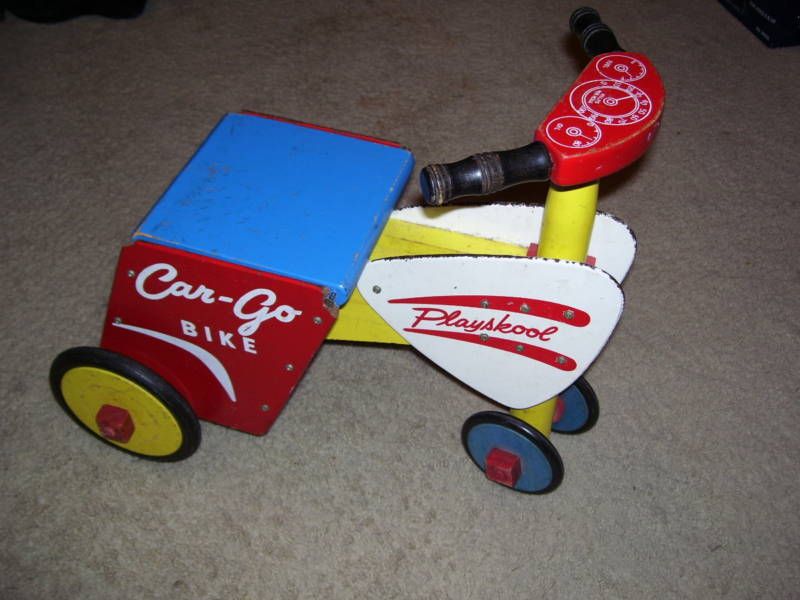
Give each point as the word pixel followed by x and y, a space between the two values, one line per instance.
pixel 296 200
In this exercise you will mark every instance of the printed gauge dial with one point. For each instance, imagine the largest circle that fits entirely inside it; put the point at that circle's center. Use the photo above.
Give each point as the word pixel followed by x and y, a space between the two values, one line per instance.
pixel 573 132
pixel 610 102
pixel 621 67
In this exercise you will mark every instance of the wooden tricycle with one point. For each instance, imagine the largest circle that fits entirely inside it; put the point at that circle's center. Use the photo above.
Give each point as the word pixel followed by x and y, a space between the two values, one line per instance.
pixel 279 235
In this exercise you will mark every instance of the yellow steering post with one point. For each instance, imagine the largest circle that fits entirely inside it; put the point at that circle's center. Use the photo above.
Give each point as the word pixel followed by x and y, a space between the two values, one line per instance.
pixel 566 230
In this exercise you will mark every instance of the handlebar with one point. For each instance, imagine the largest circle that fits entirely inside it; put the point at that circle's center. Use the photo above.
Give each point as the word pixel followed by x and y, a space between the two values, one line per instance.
pixel 568 149
pixel 596 37
pixel 485 173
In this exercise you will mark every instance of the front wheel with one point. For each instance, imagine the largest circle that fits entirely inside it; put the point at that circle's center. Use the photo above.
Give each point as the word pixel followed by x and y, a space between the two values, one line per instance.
pixel 577 409
pixel 512 453
pixel 124 404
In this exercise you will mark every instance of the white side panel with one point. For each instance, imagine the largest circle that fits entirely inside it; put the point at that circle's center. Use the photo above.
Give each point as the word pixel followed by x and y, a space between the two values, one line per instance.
pixel 519 330
pixel 613 244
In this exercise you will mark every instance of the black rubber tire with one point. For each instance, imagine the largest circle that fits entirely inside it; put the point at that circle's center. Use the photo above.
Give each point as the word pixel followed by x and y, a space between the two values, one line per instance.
pixel 144 377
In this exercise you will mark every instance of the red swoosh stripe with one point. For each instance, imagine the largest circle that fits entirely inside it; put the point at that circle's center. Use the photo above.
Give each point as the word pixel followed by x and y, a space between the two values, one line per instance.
pixel 536 353
pixel 538 308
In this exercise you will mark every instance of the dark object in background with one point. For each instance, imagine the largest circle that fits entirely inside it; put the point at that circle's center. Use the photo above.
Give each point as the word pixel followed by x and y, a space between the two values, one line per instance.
pixel 55 11
pixel 774 22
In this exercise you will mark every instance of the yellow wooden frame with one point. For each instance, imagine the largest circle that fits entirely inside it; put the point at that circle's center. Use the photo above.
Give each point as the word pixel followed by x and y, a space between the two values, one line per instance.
pixel 566 231
pixel 357 322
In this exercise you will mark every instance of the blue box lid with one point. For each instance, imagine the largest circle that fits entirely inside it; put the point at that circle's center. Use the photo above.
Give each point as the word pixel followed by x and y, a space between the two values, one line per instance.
pixel 279 196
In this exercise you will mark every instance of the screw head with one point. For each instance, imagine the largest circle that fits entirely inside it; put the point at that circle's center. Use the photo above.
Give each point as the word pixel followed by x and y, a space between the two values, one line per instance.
pixel 317 320
pixel 265 408
pixel 520 348
pixel 131 273
pixel 289 367
pixel 484 337
pixel 525 308
pixel 484 303
pixel 376 289
pixel 569 314
pixel 561 360
pixel 117 320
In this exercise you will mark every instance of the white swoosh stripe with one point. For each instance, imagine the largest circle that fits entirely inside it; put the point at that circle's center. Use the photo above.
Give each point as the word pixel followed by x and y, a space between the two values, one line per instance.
pixel 208 359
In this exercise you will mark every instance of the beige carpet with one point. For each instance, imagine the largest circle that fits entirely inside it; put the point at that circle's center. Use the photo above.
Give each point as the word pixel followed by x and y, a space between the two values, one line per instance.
pixel 686 488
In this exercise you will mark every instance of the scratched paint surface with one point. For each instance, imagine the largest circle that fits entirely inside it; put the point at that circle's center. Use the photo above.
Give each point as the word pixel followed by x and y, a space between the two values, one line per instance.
pixel 282 197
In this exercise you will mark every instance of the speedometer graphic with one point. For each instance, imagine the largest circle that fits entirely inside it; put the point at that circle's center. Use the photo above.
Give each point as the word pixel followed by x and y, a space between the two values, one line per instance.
pixel 610 102
pixel 621 67
pixel 573 132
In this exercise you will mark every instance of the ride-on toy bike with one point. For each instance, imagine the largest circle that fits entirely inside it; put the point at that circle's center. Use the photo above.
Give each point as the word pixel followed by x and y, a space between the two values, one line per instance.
pixel 278 235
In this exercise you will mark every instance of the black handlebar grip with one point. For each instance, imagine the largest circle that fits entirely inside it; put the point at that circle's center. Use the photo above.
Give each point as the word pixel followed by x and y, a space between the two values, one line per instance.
pixel 484 173
pixel 596 37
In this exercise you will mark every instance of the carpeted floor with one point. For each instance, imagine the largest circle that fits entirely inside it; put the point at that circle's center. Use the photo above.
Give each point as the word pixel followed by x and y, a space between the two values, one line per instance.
pixel 686 488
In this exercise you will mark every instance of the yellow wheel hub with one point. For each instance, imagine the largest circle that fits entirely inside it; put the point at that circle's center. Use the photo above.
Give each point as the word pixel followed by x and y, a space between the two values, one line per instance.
pixel 86 390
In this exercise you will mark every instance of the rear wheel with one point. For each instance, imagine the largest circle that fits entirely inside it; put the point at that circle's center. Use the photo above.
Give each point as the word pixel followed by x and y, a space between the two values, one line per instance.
pixel 124 404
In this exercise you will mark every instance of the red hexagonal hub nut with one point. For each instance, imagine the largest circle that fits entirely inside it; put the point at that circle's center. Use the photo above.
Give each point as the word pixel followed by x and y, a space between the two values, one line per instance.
pixel 559 412
pixel 503 467
pixel 115 423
